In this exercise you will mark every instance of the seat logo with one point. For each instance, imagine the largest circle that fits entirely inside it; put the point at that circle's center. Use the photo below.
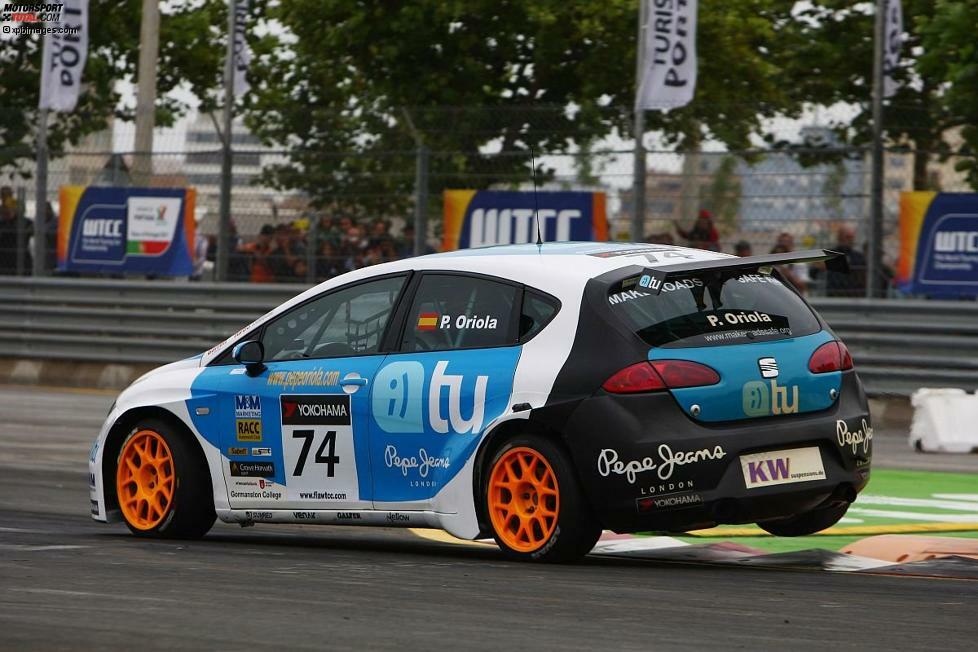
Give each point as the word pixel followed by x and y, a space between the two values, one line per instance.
pixel 768 367
pixel 397 403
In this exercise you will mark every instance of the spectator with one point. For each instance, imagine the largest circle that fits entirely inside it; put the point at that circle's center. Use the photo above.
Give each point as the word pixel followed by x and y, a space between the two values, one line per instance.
pixel 743 248
pixel 8 231
pixel 796 273
pixel 259 252
pixel 201 245
pixel 838 284
pixel 329 263
pixel 704 234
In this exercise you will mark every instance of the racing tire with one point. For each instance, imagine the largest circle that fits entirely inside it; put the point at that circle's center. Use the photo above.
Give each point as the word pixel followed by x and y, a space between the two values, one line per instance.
pixel 163 484
pixel 806 523
pixel 534 503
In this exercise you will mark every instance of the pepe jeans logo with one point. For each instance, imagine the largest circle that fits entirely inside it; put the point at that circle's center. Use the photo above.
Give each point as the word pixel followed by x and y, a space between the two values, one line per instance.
pixel 422 462
pixel 609 462
pixel 854 438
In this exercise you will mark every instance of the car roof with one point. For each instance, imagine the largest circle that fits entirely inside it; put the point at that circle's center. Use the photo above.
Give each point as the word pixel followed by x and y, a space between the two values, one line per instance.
pixel 558 268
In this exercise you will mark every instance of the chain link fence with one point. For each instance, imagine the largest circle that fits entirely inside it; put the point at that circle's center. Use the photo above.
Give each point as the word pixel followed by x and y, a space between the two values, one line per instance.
pixel 303 215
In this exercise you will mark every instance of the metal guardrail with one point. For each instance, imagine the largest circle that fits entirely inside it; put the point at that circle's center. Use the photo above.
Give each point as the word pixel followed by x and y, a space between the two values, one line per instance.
pixel 898 346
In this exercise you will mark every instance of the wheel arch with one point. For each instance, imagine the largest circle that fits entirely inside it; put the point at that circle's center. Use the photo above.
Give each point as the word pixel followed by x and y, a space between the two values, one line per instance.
pixel 117 435
pixel 491 443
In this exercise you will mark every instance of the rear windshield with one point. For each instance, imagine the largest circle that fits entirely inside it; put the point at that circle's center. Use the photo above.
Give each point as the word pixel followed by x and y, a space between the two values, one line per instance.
pixel 712 310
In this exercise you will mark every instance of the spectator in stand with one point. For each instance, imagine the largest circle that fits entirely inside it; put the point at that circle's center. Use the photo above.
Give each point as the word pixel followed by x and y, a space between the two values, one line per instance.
pixel 704 234
pixel 797 273
pixel 353 247
pixel 8 231
pixel 664 238
pixel 743 249
pixel 838 284
pixel 329 262
pixel 259 252
pixel 201 244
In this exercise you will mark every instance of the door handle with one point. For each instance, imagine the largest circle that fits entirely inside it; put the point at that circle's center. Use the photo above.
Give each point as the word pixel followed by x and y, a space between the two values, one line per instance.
pixel 354 381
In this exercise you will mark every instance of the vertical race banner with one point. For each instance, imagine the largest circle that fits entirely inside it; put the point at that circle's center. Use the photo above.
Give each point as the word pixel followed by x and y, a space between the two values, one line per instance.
pixel 938 244
pixel 892 44
pixel 64 58
pixel 478 218
pixel 669 55
pixel 242 53
pixel 126 230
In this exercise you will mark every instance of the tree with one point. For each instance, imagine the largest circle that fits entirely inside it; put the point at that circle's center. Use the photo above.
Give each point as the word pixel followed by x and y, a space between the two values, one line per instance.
pixel 191 57
pixel 950 57
pixel 484 82
pixel 833 64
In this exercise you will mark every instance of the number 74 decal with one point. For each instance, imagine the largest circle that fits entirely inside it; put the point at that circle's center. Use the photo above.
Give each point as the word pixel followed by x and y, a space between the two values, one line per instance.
pixel 323 456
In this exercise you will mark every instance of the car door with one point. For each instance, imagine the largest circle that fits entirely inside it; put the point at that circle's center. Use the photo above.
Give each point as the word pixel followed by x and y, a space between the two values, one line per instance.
pixel 296 434
pixel 451 375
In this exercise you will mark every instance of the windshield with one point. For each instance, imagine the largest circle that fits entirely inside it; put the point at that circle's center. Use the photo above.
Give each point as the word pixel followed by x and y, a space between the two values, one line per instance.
pixel 712 309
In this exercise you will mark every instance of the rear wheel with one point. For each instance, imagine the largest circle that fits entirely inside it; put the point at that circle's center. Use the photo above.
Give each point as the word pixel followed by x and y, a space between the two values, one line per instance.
pixel 162 484
pixel 535 504
pixel 806 523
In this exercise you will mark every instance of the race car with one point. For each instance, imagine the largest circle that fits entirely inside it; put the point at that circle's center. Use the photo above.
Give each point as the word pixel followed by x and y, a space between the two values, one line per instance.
pixel 535 394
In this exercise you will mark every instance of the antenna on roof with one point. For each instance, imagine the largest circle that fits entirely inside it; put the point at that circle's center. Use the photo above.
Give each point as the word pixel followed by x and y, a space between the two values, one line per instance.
pixel 536 204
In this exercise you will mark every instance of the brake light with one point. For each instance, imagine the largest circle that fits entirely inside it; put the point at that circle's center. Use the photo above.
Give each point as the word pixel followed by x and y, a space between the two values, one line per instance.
pixel 682 373
pixel 661 374
pixel 639 377
pixel 831 356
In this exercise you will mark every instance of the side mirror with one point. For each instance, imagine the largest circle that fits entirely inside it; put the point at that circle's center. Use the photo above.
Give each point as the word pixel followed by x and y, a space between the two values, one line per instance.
pixel 252 355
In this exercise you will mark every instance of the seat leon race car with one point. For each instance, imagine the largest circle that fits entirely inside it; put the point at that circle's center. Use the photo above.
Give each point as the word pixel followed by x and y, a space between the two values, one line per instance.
pixel 535 394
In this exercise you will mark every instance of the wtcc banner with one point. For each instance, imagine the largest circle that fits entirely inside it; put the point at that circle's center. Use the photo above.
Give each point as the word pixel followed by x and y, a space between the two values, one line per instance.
pixel 938 244
pixel 478 218
pixel 126 230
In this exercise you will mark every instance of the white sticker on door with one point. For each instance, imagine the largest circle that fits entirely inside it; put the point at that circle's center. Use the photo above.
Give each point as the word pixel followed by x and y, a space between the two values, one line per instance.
pixel 317 446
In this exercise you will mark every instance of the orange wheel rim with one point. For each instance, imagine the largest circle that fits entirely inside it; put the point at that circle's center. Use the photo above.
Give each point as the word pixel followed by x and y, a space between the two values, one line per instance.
pixel 145 480
pixel 524 499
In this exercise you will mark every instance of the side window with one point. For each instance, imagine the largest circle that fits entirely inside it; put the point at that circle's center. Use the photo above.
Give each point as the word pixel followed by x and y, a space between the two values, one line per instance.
pixel 460 312
pixel 538 310
pixel 345 322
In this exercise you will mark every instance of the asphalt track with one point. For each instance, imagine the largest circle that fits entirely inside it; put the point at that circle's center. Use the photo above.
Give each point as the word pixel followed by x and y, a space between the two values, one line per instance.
pixel 69 583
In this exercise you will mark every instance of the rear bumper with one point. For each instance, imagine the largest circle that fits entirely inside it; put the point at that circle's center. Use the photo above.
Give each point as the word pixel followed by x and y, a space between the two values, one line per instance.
pixel 646 465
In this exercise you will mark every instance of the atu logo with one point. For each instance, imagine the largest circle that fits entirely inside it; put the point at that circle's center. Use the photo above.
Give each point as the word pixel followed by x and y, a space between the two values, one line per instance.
pixel 397 401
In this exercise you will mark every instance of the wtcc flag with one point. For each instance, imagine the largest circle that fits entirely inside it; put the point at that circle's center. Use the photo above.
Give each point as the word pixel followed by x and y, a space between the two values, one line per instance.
pixel 65 52
pixel 892 43
pixel 668 76
pixel 242 53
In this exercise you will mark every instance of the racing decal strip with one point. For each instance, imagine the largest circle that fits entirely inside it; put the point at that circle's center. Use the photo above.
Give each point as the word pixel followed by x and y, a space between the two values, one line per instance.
pixel 377 518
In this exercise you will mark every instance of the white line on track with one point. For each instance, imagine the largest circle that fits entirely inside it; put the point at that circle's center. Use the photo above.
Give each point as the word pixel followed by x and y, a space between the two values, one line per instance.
pixel 956 505
pixel 915 516
pixel 26 548
pixel 88 594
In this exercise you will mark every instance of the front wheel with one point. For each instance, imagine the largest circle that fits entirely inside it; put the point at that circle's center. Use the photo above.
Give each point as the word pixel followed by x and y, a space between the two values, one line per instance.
pixel 535 504
pixel 162 484
pixel 806 523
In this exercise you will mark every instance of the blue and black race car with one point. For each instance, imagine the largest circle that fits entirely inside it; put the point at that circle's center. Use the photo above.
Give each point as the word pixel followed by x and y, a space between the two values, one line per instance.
pixel 536 394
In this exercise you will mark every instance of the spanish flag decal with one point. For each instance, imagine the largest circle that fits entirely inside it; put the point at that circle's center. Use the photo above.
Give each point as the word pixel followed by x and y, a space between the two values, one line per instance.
pixel 427 321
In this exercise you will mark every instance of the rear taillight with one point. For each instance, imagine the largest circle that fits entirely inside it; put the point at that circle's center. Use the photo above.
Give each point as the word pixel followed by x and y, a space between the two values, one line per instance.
pixel 661 374
pixel 831 356
pixel 640 377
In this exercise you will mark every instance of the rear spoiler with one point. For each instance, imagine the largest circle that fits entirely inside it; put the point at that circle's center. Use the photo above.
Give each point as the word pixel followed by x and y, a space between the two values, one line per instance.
pixel 654 277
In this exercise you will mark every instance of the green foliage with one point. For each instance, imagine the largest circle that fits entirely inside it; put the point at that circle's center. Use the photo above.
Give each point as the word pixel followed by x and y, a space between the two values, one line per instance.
pixel 545 75
pixel 191 57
